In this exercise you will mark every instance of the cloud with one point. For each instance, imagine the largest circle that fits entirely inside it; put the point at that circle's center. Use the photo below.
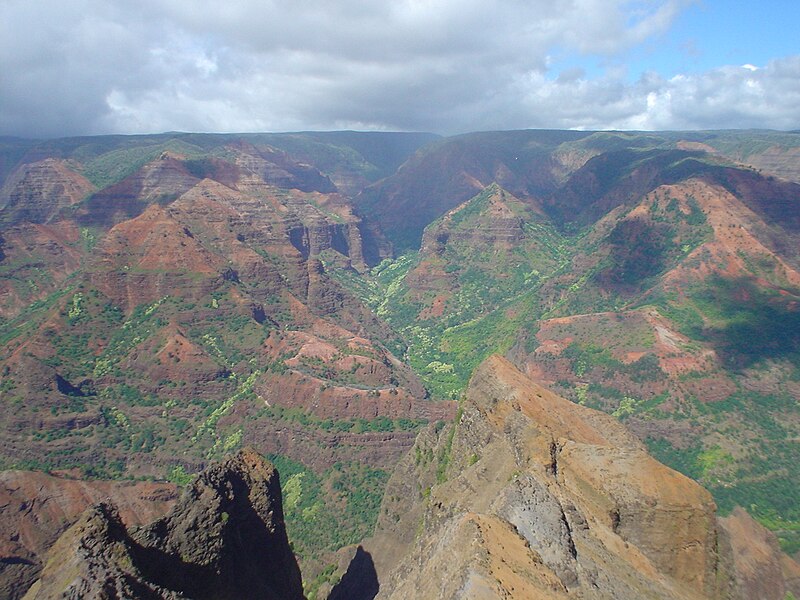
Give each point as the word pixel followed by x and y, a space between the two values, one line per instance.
pixel 722 98
pixel 98 66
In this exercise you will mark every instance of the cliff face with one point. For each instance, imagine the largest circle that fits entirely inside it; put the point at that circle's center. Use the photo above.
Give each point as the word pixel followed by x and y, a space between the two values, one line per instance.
pixel 530 495
pixel 95 559
pixel 213 292
pixel 36 508
pixel 492 239
pixel 442 175
pixel 761 570
pixel 224 539
pixel 161 180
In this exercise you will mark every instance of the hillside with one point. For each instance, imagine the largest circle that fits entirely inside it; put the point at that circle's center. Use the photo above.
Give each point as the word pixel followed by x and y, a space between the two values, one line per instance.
pixel 528 495
pixel 179 308
pixel 223 539
pixel 657 282
pixel 525 494
pixel 324 297
pixel 536 164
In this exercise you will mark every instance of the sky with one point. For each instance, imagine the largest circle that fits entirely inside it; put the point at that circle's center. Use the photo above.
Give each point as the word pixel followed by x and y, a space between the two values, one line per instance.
pixel 85 67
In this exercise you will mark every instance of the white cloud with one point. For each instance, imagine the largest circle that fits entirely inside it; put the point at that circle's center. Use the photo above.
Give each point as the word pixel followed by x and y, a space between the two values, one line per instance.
pixel 96 66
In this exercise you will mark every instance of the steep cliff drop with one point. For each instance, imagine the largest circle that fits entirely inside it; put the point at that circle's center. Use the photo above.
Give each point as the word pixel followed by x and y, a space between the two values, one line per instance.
pixel 225 539
pixel 528 495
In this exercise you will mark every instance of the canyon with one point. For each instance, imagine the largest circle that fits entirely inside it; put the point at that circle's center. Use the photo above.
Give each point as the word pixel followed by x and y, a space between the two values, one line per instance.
pixel 325 298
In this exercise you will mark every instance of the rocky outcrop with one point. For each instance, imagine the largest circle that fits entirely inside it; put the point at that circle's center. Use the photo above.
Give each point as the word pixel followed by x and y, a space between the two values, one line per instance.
pixel 531 496
pixel 224 539
pixel 95 559
pixel 35 508
pixel 161 180
pixel 501 223
pixel 276 168
pixel 153 256
pixel 313 217
pixel 493 242
pixel 358 580
pixel 444 174
pixel 781 161
pixel 171 356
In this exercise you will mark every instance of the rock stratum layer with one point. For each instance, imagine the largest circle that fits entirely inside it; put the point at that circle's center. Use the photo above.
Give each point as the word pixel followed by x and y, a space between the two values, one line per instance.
pixel 532 496
pixel 224 539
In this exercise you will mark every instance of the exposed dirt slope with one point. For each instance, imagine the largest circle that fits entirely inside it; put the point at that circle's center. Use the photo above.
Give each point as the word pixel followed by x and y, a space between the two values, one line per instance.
pixel 36 192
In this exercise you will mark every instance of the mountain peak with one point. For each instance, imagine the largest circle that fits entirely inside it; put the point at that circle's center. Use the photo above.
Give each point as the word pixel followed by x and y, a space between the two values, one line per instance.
pixel 224 539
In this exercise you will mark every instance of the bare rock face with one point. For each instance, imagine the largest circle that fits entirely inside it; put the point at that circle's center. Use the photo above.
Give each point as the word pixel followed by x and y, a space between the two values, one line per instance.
pixel 161 180
pixel 95 559
pixel 151 256
pixel 44 254
pixel 224 539
pixel 354 577
pixel 528 495
pixel 501 225
pixel 276 168
pixel 35 508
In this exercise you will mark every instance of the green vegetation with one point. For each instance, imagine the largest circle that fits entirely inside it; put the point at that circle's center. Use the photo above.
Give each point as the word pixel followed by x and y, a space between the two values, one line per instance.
pixel 445 453
pixel 742 144
pixel 327 575
pixel 352 425
pixel 745 322
pixel 584 359
pixel 760 481
pixel 771 502
pixel 112 166
pixel 685 460
pixel 749 323
pixel 31 318
pixel 179 476
pixel 328 510
pixel 638 251
pixel 444 350
pixel 683 315
pixel 492 271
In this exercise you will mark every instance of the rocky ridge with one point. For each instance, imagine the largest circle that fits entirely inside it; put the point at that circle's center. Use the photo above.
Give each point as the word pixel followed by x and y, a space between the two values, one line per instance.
pixel 35 508
pixel 526 495
pixel 225 538
pixel 529 495
pixel 35 260
pixel 657 284
pixel 653 276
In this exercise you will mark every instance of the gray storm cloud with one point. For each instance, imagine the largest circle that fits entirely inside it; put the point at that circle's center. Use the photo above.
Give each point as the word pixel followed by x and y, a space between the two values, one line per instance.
pixel 90 66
